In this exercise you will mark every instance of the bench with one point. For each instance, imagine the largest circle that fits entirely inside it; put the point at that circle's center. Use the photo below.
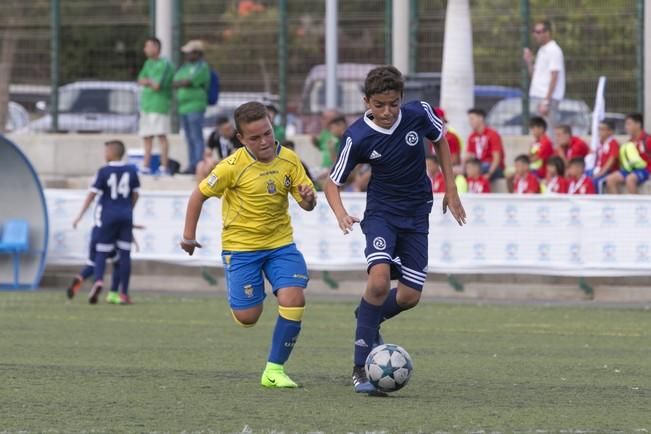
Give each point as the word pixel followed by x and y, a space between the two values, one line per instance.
pixel 14 241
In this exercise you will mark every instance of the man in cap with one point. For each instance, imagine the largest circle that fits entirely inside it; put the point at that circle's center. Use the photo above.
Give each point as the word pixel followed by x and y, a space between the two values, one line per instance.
pixel 191 82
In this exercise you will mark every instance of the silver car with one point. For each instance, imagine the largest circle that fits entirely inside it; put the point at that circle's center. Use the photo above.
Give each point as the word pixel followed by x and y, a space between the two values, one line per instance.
pixel 506 116
pixel 94 107
pixel 17 118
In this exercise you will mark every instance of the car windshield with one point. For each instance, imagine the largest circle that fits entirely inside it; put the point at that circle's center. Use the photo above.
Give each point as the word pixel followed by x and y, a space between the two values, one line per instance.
pixel 113 101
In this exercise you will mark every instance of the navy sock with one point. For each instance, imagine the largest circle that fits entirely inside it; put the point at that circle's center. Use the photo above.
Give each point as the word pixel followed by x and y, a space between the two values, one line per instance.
pixel 125 270
pixel 115 277
pixel 368 321
pixel 100 265
pixel 87 272
pixel 283 340
pixel 391 308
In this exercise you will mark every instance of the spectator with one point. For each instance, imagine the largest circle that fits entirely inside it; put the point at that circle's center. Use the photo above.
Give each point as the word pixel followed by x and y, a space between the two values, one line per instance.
pixel 291 145
pixel 485 144
pixel 547 74
pixel 155 77
pixel 223 139
pixel 324 140
pixel 525 182
pixel 435 174
pixel 205 165
pixel 453 138
pixel 477 183
pixel 580 182
pixel 634 158
pixel 607 158
pixel 279 130
pixel 555 181
pixel 569 146
pixel 542 147
pixel 359 179
pixel 192 81
pixel 336 129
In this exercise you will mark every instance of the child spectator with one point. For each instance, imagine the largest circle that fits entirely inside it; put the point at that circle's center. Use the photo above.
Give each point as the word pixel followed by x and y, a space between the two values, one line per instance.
pixel 477 183
pixel 336 129
pixel 279 130
pixel 580 182
pixel 569 146
pixel 542 147
pixel 525 181
pixel 607 160
pixel 634 158
pixel 555 181
pixel 453 138
pixel 485 144
pixel 435 174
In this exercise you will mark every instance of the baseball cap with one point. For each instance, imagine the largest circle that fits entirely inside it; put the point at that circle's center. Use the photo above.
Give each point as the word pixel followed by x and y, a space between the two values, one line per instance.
pixel 193 45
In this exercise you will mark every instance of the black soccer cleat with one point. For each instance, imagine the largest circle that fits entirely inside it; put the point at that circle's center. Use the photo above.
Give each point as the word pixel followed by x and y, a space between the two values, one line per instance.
pixel 74 287
pixel 95 292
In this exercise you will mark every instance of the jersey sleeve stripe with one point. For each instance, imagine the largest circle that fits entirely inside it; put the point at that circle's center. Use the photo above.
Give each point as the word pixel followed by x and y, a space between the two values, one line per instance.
pixel 341 163
pixel 436 122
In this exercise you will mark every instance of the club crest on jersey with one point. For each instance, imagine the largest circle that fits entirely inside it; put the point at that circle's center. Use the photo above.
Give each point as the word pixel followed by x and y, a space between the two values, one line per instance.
pixel 379 243
pixel 288 181
pixel 248 291
pixel 271 186
pixel 412 138
pixel 212 180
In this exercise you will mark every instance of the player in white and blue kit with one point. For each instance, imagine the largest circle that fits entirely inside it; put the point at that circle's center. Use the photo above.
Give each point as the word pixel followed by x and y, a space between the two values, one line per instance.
pixel 117 185
pixel 390 137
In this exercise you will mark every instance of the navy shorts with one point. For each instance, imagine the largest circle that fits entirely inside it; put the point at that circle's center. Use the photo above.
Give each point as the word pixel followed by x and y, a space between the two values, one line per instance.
pixel 92 249
pixel 115 232
pixel 401 242
pixel 283 267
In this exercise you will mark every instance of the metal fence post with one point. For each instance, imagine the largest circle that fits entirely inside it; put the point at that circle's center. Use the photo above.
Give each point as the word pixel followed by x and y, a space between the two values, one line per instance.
pixel 282 61
pixel 55 32
pixel 524 82
pixel 152 18
pixel 388 23
pixel 413 35
pixel 639 54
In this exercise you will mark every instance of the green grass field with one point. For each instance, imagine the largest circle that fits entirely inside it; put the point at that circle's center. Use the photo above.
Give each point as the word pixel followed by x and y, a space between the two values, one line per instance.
pixel 179 364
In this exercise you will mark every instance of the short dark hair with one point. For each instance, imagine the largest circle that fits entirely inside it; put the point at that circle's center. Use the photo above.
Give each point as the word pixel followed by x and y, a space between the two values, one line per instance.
pixel 636 117
pixel 523 158
pixel 608 123
pixel 547 24
pixel 155 41
pixel 537 121
pixel 249 112
pixel 565 128
pixel 118 147
pixel 434 158
pixel 558 163
pixel 383 79
pixel 477 111
pixel 221 120
pixel 272 108
pixel 578 160
pixel 474 161
pixel 337 120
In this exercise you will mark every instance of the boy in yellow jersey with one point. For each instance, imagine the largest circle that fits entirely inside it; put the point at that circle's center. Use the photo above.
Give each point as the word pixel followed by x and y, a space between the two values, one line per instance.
pixel 254 184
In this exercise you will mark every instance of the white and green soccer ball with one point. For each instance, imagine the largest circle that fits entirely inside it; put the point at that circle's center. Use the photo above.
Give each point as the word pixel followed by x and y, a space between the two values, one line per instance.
pixel 389 367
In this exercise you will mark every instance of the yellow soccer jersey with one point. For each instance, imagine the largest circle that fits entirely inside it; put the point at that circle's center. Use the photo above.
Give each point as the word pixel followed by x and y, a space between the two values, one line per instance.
pixel 255 198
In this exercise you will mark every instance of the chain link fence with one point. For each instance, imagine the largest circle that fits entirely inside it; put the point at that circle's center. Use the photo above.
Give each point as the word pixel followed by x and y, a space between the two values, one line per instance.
pixel 103 41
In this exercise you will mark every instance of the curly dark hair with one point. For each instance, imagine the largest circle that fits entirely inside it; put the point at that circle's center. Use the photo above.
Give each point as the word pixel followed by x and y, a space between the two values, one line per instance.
pixel 382 79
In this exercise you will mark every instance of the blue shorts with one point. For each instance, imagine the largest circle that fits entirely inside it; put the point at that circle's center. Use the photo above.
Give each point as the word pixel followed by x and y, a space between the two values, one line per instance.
pixel 92 249
pixel 283 267
pixel 401 242
pixel 112 233
pixel 641 174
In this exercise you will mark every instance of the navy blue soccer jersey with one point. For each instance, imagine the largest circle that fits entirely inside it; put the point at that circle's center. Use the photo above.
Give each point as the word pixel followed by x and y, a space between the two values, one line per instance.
pixel 399 183
pixel 115 184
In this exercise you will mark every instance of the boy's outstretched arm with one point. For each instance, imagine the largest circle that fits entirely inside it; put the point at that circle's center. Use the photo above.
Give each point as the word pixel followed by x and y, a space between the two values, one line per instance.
pixel 333 195
pixel 89 199
pixel 192 213
pixel 451 199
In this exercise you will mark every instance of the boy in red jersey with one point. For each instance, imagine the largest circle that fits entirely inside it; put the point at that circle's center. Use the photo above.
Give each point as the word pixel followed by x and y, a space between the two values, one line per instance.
pixel 555 182
pixel 435 175
pixel 485 144
pixel 477 183
pixel 607 160
pixel 580 182
pixel 525 181
pixel 569 146
pixel 542 147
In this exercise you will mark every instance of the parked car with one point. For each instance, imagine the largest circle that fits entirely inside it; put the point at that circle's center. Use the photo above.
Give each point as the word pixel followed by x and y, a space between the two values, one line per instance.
pixel 506 116
pixel 17 118
pixel 93 107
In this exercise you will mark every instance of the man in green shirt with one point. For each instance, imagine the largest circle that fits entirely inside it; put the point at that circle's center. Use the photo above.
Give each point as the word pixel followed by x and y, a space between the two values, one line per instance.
pixel 191 82
pixel 155 99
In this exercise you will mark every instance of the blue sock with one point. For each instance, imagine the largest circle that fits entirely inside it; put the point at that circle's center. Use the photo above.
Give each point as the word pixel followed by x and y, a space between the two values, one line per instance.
pixel 391 308
pixel 125 270
pixel 115 277
pixel 283 340
pixel 368 321
pixel 87 272
pixel 100 265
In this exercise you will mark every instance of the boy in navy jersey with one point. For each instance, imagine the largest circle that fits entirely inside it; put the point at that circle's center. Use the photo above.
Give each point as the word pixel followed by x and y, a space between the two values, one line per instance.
pixel 117 185
pixel 390 137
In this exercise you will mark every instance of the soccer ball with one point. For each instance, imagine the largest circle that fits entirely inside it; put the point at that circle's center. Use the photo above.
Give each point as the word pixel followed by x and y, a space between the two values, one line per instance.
pixel 389 367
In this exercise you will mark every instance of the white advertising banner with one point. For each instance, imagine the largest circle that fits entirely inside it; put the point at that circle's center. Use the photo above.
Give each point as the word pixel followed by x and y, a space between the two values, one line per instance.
pixel 553 235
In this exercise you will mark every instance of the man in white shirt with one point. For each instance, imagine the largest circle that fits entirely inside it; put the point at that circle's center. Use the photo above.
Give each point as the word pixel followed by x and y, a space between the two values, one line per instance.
pixel 547 74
